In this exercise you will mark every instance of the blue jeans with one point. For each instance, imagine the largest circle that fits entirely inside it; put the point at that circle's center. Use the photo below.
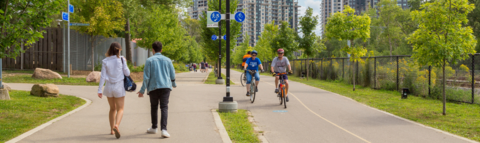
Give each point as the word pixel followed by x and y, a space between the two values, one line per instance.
pixel 249 77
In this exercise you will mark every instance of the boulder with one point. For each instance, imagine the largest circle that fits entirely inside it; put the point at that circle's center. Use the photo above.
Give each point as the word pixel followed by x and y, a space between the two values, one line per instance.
pixel 45 90
pixel 4 95
pixel 94 76
pixel 5 86
pixel 40 73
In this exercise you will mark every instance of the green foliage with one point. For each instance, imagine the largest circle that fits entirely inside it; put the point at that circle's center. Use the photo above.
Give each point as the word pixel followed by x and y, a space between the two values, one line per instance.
pixel 347 25
pixel 210 47
pixel 241 50
pixel 474 21
pixel 264 45
pixel 308 42
pixel 103 16
pixel 239 127
pixel 285 39
pixel 441 36
pixel 388 10
pixel 64 81
pixel 24 20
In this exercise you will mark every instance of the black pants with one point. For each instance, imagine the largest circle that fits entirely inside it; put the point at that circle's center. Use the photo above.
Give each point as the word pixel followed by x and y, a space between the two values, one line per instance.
pixel 162 96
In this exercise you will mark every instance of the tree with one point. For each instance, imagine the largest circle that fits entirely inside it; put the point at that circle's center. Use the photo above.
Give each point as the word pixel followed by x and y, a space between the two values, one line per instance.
pixel 241 50
pixel 130 11
pixel 24 20
pixel 104 18
pixel 388 11
pixel 474 21
pixel 264 45
pixel 308 42
pixel 163 25
pixel 210 47
pixel 347 25
pixel 441 35
pixel 286 39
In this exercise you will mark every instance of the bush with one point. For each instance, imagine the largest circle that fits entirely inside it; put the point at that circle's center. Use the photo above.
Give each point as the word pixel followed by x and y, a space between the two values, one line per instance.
pixel 180 67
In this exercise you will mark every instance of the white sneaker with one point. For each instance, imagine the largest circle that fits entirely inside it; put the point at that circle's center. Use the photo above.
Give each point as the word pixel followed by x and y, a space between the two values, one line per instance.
pixel 165 134
pixel 152 131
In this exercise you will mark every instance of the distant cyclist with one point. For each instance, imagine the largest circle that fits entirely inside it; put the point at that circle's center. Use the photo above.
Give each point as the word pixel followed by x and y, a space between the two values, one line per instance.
pixel 279 65
pixel 253 63
pixel 245 57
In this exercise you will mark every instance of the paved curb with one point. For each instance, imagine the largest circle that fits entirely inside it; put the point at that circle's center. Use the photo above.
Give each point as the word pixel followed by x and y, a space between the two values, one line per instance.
pixel 206 77
pixel 221 129
pixel 398 117
pixel 26 134
pixel 257 129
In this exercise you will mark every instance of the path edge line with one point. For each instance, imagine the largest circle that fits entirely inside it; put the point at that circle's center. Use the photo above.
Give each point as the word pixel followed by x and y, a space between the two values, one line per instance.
pixel 221 129
pixel 398 117
pixel 36 129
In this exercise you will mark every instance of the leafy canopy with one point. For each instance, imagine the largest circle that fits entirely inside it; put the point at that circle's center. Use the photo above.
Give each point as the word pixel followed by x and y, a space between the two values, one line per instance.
pixel 308 42
pixel 347 25
pixel 264 45
pixel 104 17
pixel 441 34
pixel 24 20
pixel 286 39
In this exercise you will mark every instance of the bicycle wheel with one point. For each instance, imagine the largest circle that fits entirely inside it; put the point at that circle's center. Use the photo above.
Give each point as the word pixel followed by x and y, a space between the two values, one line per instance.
pixel 252 92
pixel 280 97
pixel 284 98
pixel 241 79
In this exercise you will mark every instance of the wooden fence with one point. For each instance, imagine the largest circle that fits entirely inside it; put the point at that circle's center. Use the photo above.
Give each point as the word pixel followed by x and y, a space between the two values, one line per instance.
pixel 46 53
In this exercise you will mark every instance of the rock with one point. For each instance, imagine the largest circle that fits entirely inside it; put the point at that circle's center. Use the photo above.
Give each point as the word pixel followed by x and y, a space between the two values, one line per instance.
pixel 5 86
pixel 94 76
pixel 4 95
pixel 40 73
pixel 45 90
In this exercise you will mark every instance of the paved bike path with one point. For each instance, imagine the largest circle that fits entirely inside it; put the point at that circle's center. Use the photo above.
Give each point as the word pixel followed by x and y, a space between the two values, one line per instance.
pixel 190 117
pixel 316 115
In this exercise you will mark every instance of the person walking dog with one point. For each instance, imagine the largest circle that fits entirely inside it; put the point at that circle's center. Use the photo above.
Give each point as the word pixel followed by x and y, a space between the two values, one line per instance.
pixel 114 70
pixel 158 80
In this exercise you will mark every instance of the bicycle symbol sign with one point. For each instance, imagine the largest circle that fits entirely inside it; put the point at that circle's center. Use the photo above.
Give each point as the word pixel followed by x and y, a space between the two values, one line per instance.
pixel 239 16
pixel 216 16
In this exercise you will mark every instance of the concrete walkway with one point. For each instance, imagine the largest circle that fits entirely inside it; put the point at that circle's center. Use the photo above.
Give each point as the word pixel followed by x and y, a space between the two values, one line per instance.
pixel 190 117
pixel 315 115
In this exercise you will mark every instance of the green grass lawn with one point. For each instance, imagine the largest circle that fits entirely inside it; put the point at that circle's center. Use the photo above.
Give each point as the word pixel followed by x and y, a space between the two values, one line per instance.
pixel 64 81
pixel 25 112
pixel 211 78
pixel 239 129
pixel 461 119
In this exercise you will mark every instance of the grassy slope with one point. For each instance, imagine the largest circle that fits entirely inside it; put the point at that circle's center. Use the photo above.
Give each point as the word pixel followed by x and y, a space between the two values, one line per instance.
pixel 239 129
pixel 211 78
pixel 64 81
pixel 25 112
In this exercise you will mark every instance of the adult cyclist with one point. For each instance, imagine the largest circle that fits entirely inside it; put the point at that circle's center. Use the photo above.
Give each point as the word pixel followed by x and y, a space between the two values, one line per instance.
pixel 253 63
pixel 245 57
pixel 279 65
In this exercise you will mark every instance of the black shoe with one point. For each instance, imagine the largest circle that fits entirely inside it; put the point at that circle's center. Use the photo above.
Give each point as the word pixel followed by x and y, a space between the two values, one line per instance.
pixel 256 88
pixel 276 91
pixel 248 93
pixel 287 99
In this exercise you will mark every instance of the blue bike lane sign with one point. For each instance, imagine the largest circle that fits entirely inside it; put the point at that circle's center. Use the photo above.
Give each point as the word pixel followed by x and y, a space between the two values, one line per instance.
pixel 240 16
pixel 215 16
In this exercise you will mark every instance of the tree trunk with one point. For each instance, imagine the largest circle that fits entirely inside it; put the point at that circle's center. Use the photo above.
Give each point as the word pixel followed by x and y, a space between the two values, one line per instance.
pixel 390 43
pixel 93 60
pixel 128 46
pixel 444 97
pixel 353 73
pixel 307 63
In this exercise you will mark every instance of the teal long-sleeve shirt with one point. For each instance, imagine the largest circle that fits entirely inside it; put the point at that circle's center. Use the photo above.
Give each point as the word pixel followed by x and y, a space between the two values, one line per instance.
pixel 158 73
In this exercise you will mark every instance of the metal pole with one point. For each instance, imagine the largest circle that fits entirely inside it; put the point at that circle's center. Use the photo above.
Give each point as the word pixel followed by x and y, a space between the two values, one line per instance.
pixel 1 86
pixel 343 69
pixel 429 79
pixel 21 56
pixel 374 72
pixel 68 40
pixel 397 73
pixel 227 20
pixel 64 46
pixel 220 42
pixel 473 78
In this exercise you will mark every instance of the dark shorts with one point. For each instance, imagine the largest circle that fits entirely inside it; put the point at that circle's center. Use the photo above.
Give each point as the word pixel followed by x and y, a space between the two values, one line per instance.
pixel 285 76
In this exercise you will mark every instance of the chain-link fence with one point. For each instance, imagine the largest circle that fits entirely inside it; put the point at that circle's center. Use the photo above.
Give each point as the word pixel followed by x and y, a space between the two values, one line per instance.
pixel 397 73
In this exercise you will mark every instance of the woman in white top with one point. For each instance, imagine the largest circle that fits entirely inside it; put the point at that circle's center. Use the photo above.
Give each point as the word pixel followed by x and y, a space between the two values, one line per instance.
pixel 113 72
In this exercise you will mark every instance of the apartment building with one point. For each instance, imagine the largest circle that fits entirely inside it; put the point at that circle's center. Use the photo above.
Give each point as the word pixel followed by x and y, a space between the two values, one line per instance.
pixel 258 13
pixel 329 7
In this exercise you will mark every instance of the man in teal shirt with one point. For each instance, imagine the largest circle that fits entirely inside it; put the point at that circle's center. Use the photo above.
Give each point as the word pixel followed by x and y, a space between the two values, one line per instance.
pixel 158 79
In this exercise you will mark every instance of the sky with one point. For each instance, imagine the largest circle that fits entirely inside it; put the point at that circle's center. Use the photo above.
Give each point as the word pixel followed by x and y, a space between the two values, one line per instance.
pixel 315 5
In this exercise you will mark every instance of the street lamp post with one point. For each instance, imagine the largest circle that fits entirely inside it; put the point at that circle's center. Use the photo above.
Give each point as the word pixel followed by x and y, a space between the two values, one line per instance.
pixel 227 20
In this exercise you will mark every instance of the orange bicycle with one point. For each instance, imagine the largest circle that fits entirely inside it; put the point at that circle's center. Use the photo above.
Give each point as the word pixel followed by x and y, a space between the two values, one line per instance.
pixel 282 95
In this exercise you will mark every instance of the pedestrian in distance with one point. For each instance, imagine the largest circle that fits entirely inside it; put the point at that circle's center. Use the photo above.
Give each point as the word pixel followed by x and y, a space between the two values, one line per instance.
pixel 195 67
pixel 206 67
pixel 158 80
pixel 114 70
pixel 202 67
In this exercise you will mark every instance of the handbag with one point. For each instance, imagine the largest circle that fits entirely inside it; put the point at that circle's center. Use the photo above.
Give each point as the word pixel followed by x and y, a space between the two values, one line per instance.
pixel 128 83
